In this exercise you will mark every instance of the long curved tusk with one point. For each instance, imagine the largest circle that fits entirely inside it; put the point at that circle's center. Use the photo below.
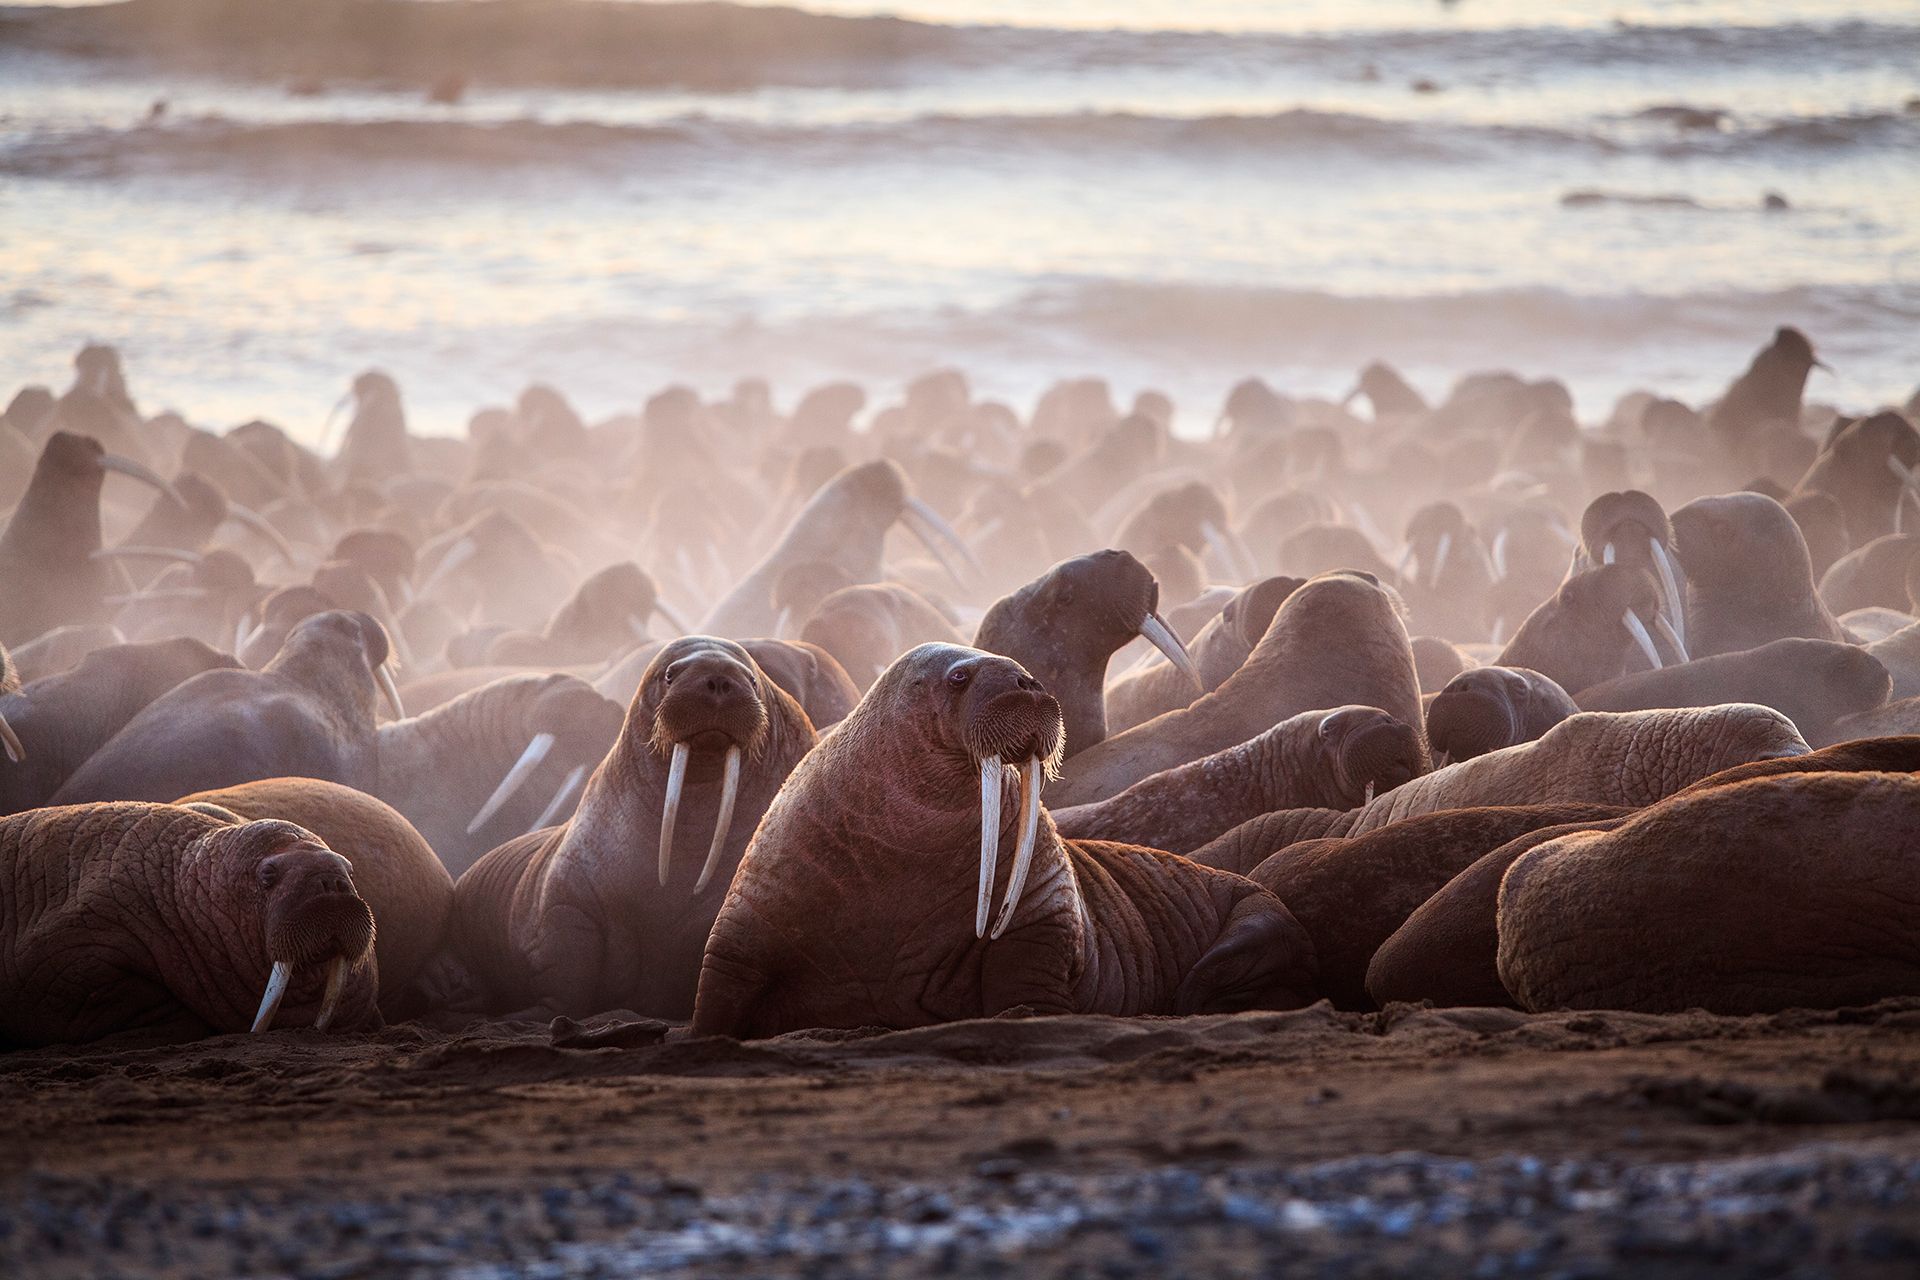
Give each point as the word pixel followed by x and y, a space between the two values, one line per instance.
pixel 1217 543
pixel 1440 558
pixel 276 992
pixel 1029 834
pixel 261 525
pixel 1672 637
pixel 670 812
pixel 1499 553
pixel 402 651
pixel 1606 554
pixel 458 554
pixel 1158 634
pixel 143 473
pixel 240 630
pixel 990 771
pixel 1638 630
pixel 932 529
pixel 147 553
pixel 560 798
pixel 10 741
pixel 390 691
pixel 729 795
pixel 1670 584
pixel 330 1001
pixel 674 620
pixel 782 621
pixel 516 777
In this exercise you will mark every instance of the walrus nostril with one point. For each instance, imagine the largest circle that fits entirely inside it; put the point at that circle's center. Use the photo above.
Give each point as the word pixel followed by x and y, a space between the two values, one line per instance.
pixel 1029 684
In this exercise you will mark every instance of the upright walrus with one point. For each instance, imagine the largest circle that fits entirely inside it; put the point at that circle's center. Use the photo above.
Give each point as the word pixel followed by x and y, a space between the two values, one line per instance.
pixel 866 898
pixel 598 913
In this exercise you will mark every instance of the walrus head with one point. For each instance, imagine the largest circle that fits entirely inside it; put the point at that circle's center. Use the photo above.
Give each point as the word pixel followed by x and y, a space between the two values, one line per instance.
pixel 704 702
pixel 1487 709
pixel 310 913
pixel 1630 527
pixel 1373 752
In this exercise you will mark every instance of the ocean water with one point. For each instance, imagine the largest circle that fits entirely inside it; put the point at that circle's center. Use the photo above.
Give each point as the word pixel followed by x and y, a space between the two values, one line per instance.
pixel 255 199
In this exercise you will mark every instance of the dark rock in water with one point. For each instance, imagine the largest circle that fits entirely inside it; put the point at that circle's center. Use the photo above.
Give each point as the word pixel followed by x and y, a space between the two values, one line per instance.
pixel 1774 202
pixel 1682 116
pixel 448 90
pixel 1425 86
pixel 1589 197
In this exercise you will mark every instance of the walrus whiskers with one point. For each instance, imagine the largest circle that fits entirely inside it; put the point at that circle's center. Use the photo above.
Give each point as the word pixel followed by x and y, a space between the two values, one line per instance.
pixel 729 794
pixel 536 750
pixel 1023 854
pixel 670 811
pixel 276 992
pixel 990 770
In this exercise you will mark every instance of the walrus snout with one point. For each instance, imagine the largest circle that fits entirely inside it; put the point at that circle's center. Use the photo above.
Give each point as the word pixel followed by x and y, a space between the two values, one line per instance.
pixel 1376 751
pixel 1475 713
pixel 313 914
pixel 709 701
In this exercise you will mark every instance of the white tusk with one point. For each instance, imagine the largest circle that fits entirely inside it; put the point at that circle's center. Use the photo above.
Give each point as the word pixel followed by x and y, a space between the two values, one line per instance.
pixel 1670 584
pixel 990 771
pixel 536 751
pixel 670 812
pixel 1217 543
pixel 260 525
pixel 1023 854
pixel 1400 565
pixel 260 629
pixel 926 523
pixel 1638 630
pixel 239 632
pixel 402 652
pixel 276 992
pixel 1160 636
pixel 1500 553
pixel 11 742
pixel 330 1001
pixel 147 553
pixel 1499 625
pixel 142 473
pixel 782 622
pixel 729 795
pixel 685 562
pixel 1367 799
pixel 389 690
pixel 560 798
pixel 674 620
pixel 1606 554
pixel 1672 637
pixel 158 593
pixel 1442 759
pixel 1906 474
pixel 458 554
pixel 1440 557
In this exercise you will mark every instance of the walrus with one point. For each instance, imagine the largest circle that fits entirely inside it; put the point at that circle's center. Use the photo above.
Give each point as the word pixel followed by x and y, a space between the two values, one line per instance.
pixel 1869 467
pixel 1445 573
pixel 1749 578
pixel 497 762
pixel 62 649
pixel 844 524
pixel 309 713
pixel 605 616
pixel 809 674
pixel 859 902
pixel 1628 527
pixel 1630 759
pixel 495 564
pixel 611 910
pixel 1874 574
pixel 377 447
pixel 52 571
pixel 394 871
pixel 1352 894
pixel 1899 653
pixel 145 916
pixel 189 522
pixel 1337 641
pixel 1219 650
pixel 865 627
pixel 1488 708
pixel 1335 759
pixel 1194 518
pixel 1600 624
pixel 1889 720
pixel 1767 395
pixel 1447 948
pixel 1812 682
pixel 1777 893
pixel 1065 626
pixel 58 722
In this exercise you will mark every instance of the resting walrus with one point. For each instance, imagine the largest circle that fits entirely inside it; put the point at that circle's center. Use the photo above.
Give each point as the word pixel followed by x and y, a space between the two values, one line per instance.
pixel 1488 708
pixel 867 897
pixel 122 916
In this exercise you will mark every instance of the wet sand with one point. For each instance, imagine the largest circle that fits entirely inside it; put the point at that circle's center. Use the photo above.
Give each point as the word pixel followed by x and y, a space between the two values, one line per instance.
pixel 1347 1144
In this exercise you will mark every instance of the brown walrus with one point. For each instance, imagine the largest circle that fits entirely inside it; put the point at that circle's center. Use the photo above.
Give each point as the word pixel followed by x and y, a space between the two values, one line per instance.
pixel 1811 682
pixel 1777 893
pixel 394 871
pixel 1335 759
pixel 1488 708
pixel 1600 623
pixel 1219 649
pixel 1749 577
pixel 1337 641
pixel 1066 625
pixel 125 916
pixel 865 627
pixel 600 913
pixel 867 898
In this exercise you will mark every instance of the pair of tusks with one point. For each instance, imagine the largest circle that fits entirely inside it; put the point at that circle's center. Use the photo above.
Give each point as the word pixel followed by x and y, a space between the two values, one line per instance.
pixel 992 772
pixel 932 529
pixel 276 991
pixel 1672 620
pixel 1232 553
pixel 537 748
pixel 1638 630
pixel 141 472
pixel 670 812
pixel 1432 575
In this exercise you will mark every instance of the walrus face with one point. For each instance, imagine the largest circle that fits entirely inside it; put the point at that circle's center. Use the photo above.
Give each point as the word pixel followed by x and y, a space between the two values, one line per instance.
pixel 1726 542
pixel 1373 752
pixel 706 703
pixel 1432 534
pixel 1593 629
pixel 1481 710
pixel 1629 527
pixel 309 911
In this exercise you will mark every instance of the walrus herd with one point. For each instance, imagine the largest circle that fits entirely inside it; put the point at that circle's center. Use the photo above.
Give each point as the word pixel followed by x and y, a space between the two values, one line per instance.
pixel 1377 700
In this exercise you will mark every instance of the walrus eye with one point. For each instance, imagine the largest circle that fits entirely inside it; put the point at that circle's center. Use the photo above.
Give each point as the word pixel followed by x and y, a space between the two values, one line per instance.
pixel 959 677
pixel 268 875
